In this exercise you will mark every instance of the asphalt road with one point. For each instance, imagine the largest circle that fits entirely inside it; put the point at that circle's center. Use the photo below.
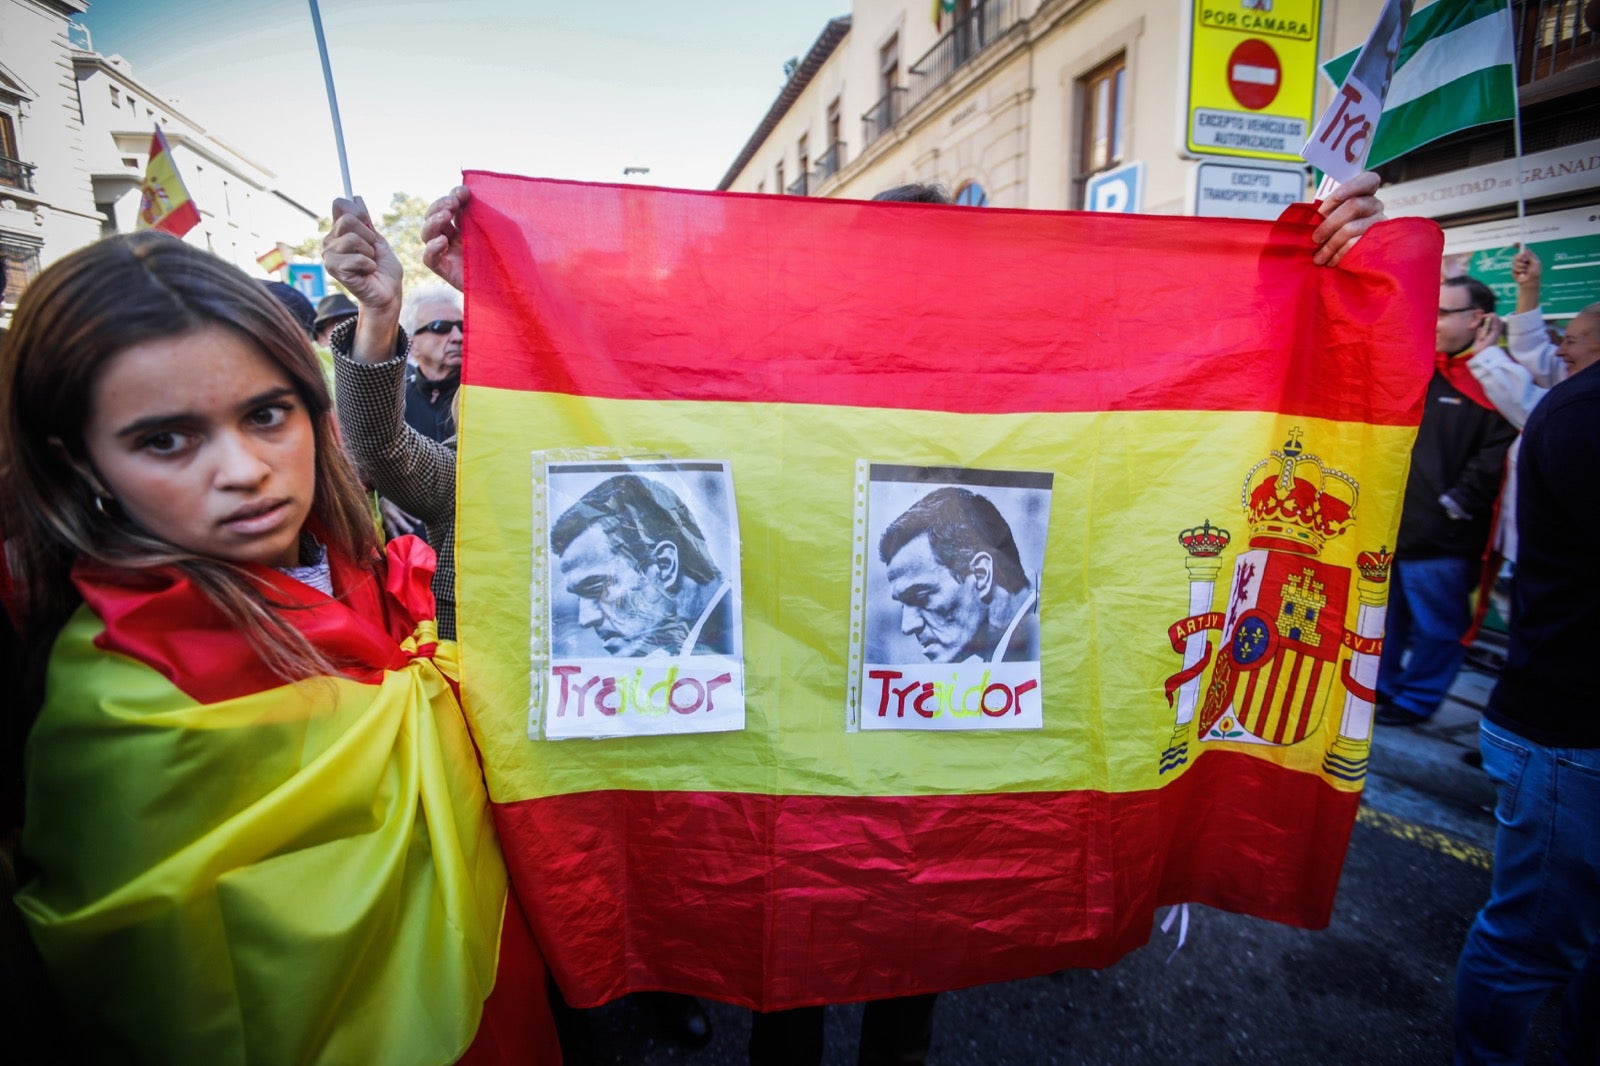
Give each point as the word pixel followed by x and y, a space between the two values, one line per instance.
pixel 1375 987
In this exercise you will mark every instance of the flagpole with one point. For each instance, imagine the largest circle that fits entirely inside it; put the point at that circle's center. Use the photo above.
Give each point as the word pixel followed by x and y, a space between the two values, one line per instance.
pixel 1516 162
pixel 333 101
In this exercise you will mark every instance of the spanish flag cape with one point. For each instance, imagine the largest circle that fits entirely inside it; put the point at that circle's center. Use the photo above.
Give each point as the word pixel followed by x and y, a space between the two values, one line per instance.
pixel 1228 428
pixel 232 869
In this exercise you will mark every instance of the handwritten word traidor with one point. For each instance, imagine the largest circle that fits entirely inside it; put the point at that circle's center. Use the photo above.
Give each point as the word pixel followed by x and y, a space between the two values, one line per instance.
pixel 642 691
pixel 931 699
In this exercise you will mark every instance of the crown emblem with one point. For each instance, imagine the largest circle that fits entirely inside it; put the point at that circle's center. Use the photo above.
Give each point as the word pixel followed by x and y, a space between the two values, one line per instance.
pixel 1204 541
pixel 1295 503
pixel 1374 566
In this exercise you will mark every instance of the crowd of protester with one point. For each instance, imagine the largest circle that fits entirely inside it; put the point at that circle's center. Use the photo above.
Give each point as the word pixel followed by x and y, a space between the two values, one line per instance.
pixel 194 516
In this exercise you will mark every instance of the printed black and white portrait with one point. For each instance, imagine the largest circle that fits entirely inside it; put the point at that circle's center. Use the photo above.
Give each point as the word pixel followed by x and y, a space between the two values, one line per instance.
pixel 954 562
pixel 1374 67
pixel 644 560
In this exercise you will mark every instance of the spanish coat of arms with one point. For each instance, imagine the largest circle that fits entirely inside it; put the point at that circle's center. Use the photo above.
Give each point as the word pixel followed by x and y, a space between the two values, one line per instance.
pixel 1284 646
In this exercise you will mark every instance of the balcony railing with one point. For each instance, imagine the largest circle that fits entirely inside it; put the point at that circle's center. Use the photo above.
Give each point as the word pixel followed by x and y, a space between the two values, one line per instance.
pixel 883 114
pixel 16 173
pixel 1551 37
pixel 800 186
pixel 828 163
pixel 987 22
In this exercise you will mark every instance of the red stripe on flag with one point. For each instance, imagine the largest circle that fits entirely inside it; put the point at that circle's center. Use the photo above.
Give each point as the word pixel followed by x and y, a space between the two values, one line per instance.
pixel 678 295
pixel 1308 704
pixel 181 220
pixel 888 896
pixel 1288 698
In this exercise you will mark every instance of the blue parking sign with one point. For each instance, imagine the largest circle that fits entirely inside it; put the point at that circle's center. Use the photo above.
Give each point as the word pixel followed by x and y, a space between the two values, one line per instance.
pixel 1119 190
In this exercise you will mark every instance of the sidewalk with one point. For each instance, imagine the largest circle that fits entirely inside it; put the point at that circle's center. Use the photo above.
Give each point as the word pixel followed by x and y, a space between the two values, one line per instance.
pixel 1428 757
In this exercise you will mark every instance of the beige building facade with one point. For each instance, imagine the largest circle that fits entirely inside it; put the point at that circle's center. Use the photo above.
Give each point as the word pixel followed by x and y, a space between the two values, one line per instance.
pixel 75 130
pixel 1026 103
pixel 46 207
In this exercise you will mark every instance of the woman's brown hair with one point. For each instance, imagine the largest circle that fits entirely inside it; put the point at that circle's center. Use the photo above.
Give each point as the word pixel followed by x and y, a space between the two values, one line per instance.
pixel 71 320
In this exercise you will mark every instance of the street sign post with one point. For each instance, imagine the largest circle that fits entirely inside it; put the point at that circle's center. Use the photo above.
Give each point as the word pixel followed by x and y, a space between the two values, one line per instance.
pixel 1252 77
pixel 1246 190
pixel 1118 191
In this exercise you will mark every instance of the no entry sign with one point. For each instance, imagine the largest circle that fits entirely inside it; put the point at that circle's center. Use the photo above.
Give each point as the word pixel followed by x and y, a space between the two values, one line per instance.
pixel 1254 74
pixel 1252 77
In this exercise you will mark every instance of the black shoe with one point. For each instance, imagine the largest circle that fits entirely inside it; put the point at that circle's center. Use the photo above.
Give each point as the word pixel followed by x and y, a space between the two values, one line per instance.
pixel 1389 714
pixel 681 1018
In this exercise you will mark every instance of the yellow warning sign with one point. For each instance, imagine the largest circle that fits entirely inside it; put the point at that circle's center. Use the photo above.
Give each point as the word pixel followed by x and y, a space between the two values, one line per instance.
pixel 1252 77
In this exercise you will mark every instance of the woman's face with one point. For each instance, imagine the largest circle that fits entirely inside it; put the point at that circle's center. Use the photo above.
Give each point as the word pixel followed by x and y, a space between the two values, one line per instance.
pixel 203 441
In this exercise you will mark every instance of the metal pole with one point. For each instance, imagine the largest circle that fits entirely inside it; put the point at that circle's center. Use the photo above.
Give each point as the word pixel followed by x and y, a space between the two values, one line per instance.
pixel 333 101
pixel 1516 162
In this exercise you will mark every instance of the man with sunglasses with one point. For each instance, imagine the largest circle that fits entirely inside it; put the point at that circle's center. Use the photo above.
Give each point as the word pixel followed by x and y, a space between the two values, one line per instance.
pixel 432 316
pixel 1457 465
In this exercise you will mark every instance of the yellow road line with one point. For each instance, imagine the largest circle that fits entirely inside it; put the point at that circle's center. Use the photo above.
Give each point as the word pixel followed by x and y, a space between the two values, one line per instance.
pixel 1427 838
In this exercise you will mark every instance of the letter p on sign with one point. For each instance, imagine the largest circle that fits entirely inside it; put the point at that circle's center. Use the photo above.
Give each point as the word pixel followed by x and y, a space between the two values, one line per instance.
pixel 1120 191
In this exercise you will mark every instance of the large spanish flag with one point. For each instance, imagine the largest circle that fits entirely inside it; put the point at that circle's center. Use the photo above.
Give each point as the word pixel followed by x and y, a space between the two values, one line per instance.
pixel 229 868
pixel 1225 431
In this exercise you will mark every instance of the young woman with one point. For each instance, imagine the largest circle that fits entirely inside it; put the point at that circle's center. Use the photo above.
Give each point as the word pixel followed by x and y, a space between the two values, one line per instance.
pixel 254 825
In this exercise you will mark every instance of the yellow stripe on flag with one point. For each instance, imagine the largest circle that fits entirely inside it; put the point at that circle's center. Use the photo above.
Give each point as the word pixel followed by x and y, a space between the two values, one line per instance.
pixel 1114 580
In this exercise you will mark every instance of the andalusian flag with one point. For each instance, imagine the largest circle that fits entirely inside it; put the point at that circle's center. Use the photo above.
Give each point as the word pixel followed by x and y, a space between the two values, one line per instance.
pixel 235 869
pixel 941 8
pixel 164 202
pixel 1456 69
pixel 1186 448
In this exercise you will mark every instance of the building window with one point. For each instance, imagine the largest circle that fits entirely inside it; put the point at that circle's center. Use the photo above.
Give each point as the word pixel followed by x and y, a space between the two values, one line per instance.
pixel 1102 100
pixel 13 171
pixel 972 195
pixel 802 179
pixel 778 185
pixel 116 97
pixel 21 266
pixel 886 112
pixel 832 157
pixel 889 66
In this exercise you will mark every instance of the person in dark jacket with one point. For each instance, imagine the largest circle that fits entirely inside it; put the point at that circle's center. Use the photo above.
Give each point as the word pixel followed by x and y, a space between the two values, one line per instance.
pixel 1457 466
pixel 1539 932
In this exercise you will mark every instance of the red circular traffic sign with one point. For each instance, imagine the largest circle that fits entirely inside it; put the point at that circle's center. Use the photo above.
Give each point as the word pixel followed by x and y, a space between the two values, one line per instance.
pixel 1254 74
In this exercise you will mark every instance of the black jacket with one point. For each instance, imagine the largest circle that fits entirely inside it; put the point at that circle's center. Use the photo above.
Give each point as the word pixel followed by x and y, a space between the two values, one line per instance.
pixel 1460 453
pixel 428 405
pixel 1546 691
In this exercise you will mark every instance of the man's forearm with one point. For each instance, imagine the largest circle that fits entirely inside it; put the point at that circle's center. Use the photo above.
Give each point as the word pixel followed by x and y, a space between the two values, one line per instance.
pixel 375 332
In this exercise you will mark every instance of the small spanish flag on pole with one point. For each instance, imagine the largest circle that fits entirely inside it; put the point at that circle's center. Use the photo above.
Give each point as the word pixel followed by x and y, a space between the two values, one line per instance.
pixel 164 202
pixel 273 261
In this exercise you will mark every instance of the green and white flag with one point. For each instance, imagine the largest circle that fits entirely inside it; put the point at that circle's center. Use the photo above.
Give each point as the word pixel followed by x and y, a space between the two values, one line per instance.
pixel 1456 69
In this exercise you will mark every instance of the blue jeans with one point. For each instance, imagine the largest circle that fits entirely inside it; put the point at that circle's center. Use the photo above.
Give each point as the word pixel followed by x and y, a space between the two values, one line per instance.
pixel 1540 930
pixel 1429 611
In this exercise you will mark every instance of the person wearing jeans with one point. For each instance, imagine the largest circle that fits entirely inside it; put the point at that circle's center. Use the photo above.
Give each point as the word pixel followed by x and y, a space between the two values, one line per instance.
pixel 1539 932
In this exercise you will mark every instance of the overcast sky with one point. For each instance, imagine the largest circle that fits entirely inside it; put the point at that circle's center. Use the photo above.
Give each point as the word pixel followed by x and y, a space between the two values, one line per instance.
pixel 426 88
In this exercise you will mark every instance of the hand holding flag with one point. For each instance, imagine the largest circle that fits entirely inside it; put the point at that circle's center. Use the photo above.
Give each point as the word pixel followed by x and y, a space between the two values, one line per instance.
pixel 441 235
pixel 1349 210
pixel 358 257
